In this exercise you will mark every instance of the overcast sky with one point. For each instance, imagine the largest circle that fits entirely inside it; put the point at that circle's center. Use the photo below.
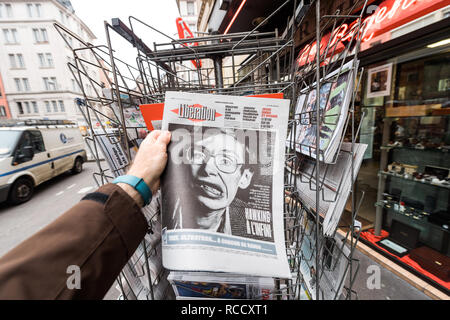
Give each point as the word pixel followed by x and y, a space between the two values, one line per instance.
pixel 160 14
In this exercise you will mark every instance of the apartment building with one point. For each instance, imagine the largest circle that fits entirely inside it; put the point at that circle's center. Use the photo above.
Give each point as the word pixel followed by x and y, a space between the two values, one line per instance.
pixel 34 57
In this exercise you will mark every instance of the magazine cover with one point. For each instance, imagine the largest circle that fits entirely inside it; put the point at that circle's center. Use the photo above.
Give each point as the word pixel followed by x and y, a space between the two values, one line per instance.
pixel 222 191
pixel 132 115
pixel 334 101
pixel 203 285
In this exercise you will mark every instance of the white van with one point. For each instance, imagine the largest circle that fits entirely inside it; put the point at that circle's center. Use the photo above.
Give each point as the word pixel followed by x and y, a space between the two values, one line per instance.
pixel 32 153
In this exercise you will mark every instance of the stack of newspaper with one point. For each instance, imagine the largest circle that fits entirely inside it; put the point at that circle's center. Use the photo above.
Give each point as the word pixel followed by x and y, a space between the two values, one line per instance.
pixel 334 185
pixel 335 96
pixel 208 285
pixel 333 269
pixel 222 195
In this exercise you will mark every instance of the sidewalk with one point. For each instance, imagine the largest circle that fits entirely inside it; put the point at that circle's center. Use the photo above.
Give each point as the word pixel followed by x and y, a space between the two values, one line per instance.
pixel 396 282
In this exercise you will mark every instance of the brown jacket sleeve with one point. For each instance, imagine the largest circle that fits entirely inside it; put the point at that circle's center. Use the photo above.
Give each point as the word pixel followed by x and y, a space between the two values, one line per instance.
pixel 99 238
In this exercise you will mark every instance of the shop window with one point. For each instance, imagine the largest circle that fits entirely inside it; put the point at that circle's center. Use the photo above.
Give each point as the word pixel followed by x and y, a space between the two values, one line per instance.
pixel 406 171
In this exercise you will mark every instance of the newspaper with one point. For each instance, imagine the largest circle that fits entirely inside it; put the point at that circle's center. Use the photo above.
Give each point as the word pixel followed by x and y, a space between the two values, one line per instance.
pixel 334 256
pixel 335 184
pixel 205 285
pixel 113 153
pixel 222 191
pixel 335 97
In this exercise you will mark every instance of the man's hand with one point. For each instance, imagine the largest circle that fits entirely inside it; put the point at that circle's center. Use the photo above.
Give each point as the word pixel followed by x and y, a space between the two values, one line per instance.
pixel 150 161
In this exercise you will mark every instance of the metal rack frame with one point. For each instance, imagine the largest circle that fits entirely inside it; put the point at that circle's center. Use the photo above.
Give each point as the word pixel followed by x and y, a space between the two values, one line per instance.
pixel 268 68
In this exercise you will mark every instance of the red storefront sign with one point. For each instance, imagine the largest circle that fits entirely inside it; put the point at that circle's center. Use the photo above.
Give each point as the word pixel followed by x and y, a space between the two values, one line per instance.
pixel 389 15
pixel 185 33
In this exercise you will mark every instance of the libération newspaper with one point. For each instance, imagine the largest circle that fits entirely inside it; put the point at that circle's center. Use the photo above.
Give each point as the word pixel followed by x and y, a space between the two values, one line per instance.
pixel 222 191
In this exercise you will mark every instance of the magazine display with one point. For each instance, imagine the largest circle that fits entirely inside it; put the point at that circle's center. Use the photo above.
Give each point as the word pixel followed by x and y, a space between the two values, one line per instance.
pixel 333 263
pixel 335 180
pixel 205 285
pixel 222 191
pixel 132 115
pixel 335 97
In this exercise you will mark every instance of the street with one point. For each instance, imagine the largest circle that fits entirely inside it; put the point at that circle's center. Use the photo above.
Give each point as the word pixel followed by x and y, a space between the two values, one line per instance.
pixel 50 200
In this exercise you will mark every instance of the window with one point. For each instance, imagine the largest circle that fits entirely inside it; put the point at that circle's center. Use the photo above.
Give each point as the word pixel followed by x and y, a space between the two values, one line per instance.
pixel 55 106
pixel 75 87
pixel 40 35
pixel 44 35
pixel 38 9
pixel 30 10
pixel 21 62
pixel 37 141
pixel 35 107
pixel 190 8
pixel 61 106
pixel 10 36
pixel 34 10
pixel 62 16
pixel 2 111
pixel 19 107
pixel 12 61
pixel 41 60
pixel 9 12
pixel 49 58
pixel 18 84
pixel 47 107
pixel 26 84
pixel 27 107
pixel 16 61
pixel 45 60
pixel 50 84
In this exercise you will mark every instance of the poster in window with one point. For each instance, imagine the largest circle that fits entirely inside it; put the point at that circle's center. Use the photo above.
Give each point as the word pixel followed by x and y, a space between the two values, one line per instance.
pixel 379 81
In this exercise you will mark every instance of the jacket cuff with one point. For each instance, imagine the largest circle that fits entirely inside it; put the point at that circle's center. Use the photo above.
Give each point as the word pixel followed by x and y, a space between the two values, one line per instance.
pixel 126 216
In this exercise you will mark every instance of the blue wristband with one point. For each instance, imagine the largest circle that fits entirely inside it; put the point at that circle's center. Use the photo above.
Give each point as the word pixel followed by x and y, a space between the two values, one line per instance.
pixel 138 184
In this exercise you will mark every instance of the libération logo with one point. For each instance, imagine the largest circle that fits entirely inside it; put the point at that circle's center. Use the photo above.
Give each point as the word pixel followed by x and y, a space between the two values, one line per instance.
pixel 196 113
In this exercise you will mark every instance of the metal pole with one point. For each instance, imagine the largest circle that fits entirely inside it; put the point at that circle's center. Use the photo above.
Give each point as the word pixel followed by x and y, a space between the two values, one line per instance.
pixel 317 146
pixel 119 100
pixel 218 72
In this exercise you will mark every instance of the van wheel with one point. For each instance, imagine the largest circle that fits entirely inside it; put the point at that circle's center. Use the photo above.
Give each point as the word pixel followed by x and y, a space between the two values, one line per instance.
pixel 78 166
pixel 22 190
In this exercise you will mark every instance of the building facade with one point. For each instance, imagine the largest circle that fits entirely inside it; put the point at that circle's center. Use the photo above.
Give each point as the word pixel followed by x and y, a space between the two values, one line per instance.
pixel 34 57
pixel 4 109
pixel 189 13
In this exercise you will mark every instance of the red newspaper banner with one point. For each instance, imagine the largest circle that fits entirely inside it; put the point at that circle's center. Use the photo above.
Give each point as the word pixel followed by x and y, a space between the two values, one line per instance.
pixel 155 112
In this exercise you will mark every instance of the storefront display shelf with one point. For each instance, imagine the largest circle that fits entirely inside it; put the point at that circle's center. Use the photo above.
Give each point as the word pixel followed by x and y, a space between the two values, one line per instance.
pixel 415 215
pixel 423 181
pixel 441 150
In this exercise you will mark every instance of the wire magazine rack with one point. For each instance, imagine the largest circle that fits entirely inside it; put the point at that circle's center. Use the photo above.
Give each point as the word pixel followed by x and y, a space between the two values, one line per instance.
pixel 246 63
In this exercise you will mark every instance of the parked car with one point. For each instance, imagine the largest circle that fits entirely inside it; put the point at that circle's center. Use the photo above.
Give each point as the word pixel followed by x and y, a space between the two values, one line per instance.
pixel 31 154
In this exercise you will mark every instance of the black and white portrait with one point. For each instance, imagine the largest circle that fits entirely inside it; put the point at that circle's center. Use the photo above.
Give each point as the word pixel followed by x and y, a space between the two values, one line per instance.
pixel 219 180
